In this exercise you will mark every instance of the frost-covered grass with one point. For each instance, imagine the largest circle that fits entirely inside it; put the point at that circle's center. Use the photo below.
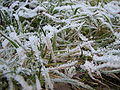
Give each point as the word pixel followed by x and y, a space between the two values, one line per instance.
pixel 47 41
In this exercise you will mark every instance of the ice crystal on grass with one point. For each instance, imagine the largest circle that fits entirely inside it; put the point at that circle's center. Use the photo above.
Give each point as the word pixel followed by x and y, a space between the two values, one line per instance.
pixel 114 7
pixel 34 43
pixel 38 85
pixel 70 71
pixel 90 66
pixel 50 31
pixel 23 83
pixel 47 78
pixel 5 43
pixel 21 54
pixel 63 66
pixel 28 13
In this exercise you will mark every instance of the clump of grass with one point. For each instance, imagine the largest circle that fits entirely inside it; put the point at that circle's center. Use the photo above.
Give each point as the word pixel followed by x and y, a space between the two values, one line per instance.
pixel 48 41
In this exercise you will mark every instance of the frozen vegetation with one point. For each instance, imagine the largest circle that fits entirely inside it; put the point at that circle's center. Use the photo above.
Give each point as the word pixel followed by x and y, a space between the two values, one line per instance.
pixel 43 42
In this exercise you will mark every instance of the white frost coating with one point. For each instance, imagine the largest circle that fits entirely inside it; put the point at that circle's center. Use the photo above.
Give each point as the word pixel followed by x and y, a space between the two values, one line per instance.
pixel 33 3
pixel 107 58
pixel 68 7
pixel 87 53
pixel 108 25
pixel 39 8
pixel 79 33
pixel 12 7
pixel 71 71
pixel 88 45
pixel 10 28
pixel 29 13
pixel 94 17
pixel 48 43
pixel 71 25
pixel 16 16
pixel 108 64
pixel 5 43
pixel 89 66
pixel 27 44
pixel 113 7
pixel 117 34
pixel 83 37
pixel 78 49
pixel 34 41
pixel 63 66
pixel 14 36
pixel 47 78
pixel 71 51
pixel 117 41
pixel 21 54
pixel 18 21
pixel 14 4
pixel 4 8
pixel 11 86
pixel 116 52
pixel 38 85
pixel 22 5
pixel 23 70
pixel 50 30
pixel 23 83
pixel 52 17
